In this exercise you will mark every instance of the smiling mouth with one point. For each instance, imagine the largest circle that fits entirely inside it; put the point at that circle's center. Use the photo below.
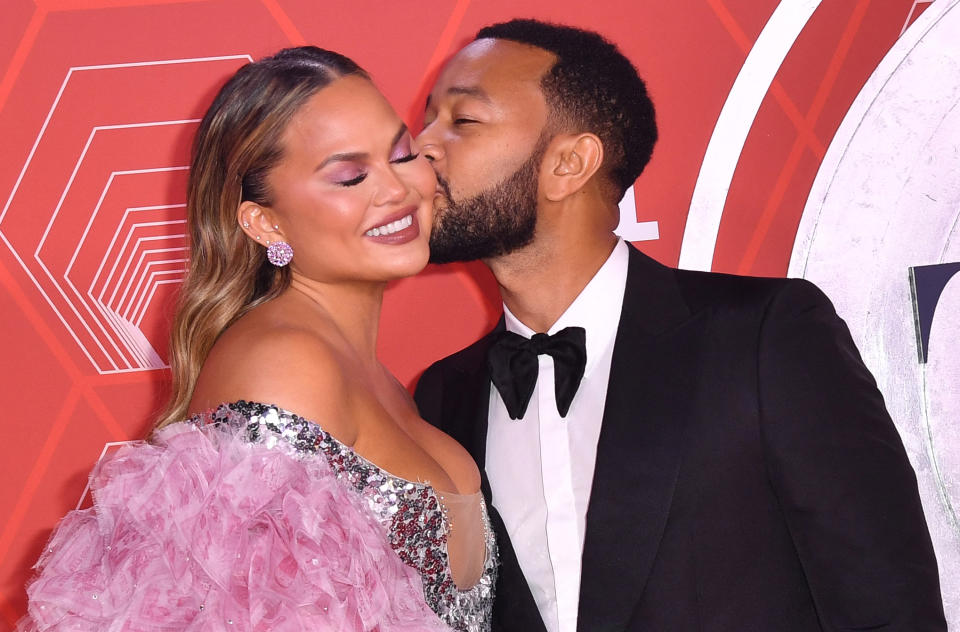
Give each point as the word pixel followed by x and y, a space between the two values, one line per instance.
pixel 391 227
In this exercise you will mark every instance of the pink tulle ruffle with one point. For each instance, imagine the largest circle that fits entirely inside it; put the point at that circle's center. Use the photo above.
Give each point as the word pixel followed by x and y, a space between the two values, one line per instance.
pixel 203 530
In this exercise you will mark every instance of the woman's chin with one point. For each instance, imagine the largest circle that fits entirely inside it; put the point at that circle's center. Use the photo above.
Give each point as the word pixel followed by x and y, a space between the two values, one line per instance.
pixel 413 267
pixel 404 263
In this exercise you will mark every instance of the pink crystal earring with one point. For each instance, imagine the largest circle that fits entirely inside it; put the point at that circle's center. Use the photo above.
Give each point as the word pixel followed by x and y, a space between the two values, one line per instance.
pixel 279 253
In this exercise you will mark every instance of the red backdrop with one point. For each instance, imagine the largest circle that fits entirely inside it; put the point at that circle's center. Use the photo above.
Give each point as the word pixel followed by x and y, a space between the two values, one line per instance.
pixel 99 100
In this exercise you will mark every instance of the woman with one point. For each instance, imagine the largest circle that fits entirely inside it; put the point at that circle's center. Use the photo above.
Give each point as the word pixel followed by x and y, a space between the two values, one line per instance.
pixel 303 491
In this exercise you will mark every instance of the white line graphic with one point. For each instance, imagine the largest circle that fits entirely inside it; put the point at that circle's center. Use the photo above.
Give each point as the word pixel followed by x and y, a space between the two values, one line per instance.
pixel 97 340
pixel 734 123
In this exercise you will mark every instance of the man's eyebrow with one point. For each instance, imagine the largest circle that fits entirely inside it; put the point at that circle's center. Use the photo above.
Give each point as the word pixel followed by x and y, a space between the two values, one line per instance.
pixel 361 155
pixel 470 91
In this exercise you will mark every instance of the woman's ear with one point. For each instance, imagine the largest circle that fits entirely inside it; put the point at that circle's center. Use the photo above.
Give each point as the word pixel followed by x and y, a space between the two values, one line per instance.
pixel 571 161
pixel 258 223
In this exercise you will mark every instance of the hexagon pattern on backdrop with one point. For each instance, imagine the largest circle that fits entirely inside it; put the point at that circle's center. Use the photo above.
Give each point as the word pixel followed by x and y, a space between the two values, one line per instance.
pixel 113 237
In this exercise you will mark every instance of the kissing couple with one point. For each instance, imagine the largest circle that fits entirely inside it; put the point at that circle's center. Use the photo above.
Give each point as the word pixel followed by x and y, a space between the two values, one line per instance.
pixel 633 447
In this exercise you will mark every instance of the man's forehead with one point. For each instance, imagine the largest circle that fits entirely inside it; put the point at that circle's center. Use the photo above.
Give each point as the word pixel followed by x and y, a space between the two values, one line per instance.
pixel 490 62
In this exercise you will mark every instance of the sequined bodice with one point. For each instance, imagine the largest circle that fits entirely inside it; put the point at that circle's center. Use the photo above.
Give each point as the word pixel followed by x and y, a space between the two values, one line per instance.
pixel 412 514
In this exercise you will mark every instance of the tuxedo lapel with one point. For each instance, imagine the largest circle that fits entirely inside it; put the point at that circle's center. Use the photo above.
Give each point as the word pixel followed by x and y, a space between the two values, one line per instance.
pixel 468 399
pixel 639 450
pixel 473 407
pixel 465 419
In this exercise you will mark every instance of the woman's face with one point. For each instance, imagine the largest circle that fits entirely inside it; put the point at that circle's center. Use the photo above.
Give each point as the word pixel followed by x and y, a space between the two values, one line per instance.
pixel 350 194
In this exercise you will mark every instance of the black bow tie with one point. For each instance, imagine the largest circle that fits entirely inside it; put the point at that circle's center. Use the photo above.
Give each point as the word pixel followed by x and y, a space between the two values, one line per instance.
pixel 512 360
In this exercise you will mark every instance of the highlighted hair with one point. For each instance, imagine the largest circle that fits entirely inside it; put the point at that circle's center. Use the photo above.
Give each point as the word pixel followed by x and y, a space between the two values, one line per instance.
pixel 237 144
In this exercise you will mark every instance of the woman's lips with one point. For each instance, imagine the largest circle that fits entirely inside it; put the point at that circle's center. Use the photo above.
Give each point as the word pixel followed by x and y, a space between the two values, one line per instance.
pixel 397 229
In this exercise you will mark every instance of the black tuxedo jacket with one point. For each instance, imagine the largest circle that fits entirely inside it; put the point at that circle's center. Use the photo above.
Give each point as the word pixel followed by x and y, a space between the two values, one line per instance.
pixel 748 476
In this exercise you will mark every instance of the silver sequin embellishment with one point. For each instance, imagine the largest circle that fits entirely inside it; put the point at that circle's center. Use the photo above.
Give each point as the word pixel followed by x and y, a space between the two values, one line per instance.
pixel 411 513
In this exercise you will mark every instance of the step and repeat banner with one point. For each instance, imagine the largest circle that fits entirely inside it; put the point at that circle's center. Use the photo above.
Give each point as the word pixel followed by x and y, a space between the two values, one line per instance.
pixel 809 138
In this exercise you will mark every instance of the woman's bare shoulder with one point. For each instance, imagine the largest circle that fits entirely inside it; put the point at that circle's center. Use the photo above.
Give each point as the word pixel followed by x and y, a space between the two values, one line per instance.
pixel 282 364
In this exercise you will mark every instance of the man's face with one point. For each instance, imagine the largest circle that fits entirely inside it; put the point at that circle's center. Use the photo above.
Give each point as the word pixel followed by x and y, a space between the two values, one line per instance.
pixel 484 133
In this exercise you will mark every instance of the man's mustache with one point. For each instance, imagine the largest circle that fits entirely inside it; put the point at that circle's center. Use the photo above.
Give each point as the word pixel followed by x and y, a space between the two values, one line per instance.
pixel 444 186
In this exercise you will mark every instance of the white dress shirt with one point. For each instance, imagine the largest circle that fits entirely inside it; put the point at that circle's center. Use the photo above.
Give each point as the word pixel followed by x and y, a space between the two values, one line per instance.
pixel 540 467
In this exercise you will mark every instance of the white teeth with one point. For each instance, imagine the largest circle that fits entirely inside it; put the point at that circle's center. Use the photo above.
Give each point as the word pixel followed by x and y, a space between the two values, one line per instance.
pixel 392 227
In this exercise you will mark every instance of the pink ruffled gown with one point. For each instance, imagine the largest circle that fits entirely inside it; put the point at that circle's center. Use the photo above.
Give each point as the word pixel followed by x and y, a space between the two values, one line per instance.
pixel 252 518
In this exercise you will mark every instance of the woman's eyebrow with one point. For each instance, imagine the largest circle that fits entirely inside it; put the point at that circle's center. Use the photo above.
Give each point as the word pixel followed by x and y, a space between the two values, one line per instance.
pixel 360 155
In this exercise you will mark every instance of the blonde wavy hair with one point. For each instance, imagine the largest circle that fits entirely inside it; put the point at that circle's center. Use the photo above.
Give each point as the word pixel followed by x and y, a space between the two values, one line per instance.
pixel 237 143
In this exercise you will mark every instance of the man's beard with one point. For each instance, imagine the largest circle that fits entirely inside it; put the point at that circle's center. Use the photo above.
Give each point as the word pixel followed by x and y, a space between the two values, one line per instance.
pixel 492 223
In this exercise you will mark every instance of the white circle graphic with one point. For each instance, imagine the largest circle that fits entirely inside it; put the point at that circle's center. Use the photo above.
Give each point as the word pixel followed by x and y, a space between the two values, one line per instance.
pixel 887 198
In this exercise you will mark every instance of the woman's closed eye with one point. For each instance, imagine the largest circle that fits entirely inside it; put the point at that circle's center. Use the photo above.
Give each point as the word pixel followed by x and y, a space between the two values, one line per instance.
pixel 353 172
pixel 353 181
pixel 348 177
pixel 406 158
pixel 403 151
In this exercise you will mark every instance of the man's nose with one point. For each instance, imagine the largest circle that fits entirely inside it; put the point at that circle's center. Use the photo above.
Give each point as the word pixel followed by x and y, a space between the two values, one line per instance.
pixel 429 145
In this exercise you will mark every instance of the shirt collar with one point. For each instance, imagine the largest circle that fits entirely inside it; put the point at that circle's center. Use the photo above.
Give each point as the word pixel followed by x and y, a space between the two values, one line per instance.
pixel 597 308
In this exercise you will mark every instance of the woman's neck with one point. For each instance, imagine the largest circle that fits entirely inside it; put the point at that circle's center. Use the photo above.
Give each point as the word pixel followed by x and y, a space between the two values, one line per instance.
pixel 353 310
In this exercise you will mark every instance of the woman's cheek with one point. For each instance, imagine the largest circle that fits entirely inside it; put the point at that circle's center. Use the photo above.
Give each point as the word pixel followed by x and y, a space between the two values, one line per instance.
pixel 427 179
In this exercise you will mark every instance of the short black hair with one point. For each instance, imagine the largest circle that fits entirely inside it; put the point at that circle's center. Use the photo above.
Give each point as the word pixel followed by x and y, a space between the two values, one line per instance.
pixel 594 88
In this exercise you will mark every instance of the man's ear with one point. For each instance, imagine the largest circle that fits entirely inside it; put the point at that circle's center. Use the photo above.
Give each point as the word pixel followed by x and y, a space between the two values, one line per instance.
pixel 257 222
pixel 570 161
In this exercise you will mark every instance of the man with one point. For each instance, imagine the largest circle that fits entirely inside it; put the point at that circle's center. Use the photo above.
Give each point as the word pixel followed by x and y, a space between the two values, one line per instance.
pixel 720 459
